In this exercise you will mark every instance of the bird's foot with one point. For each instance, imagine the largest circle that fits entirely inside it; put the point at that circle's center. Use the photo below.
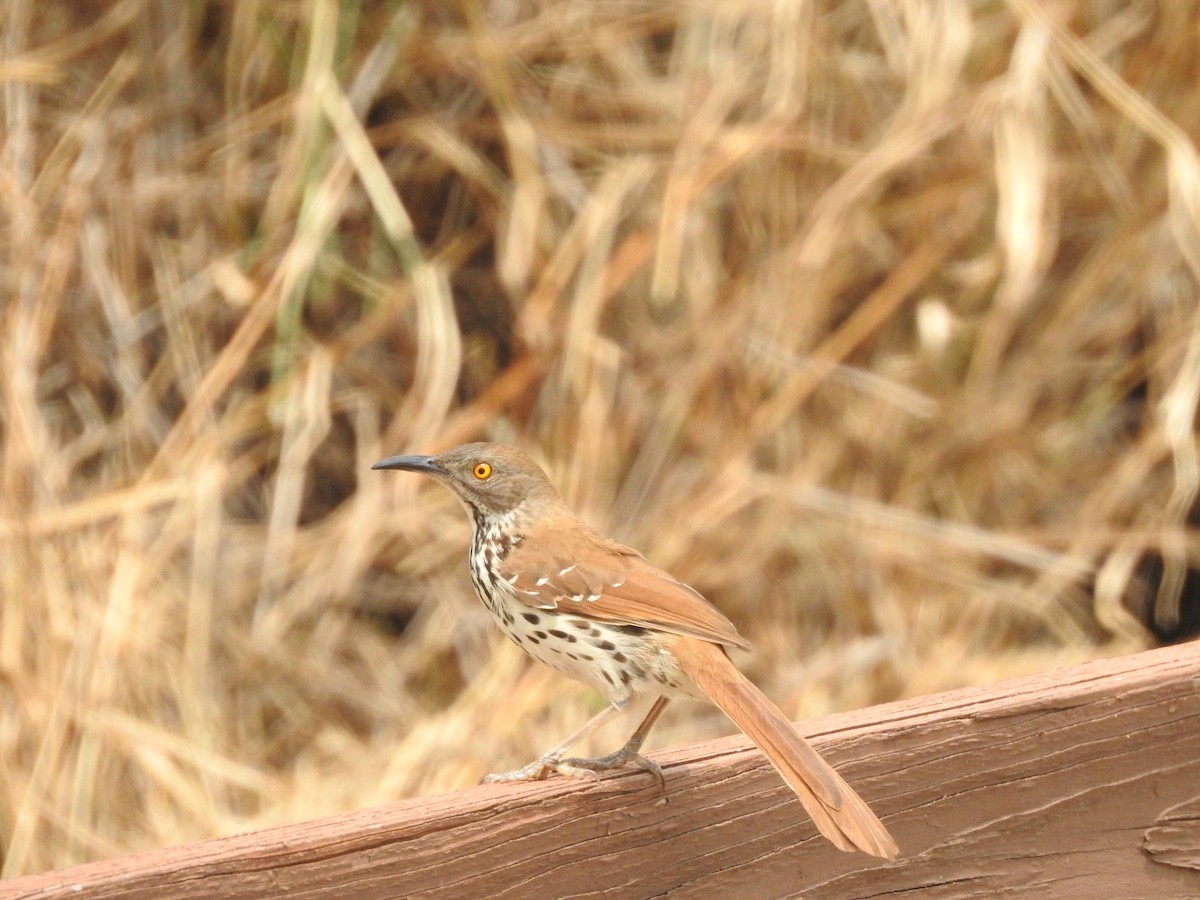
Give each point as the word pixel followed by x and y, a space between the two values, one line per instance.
pixel 577 767
pixel 535 771
pixel 627 755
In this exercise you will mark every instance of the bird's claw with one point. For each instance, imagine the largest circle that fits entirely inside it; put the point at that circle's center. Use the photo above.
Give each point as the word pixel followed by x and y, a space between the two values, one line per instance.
pixel 623 757
pixel 575 767
pixel 535 771
pixel 568 768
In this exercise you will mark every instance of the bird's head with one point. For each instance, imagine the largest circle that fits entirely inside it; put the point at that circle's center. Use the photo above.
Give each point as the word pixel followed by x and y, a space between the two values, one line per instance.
pixel 491 479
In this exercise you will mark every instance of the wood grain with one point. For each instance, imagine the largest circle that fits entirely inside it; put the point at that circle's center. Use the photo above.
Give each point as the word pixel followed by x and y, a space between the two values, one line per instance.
pixel 1082 782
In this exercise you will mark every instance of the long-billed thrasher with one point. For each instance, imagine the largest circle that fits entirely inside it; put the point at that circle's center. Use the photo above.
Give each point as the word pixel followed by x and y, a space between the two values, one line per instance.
pixel 597 611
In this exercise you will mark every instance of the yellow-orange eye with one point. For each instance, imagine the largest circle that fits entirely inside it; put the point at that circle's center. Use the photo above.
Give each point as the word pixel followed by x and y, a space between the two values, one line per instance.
pixel 482 471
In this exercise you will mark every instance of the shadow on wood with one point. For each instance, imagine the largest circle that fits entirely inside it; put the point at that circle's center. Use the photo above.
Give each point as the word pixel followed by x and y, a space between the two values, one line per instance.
pixel 1082 782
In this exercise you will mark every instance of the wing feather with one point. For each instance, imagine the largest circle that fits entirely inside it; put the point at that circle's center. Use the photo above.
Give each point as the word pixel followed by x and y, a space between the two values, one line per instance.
pixel 608 581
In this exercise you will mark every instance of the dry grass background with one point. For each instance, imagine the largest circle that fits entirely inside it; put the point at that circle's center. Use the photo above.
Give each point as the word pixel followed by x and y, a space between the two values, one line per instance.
pixel 875 321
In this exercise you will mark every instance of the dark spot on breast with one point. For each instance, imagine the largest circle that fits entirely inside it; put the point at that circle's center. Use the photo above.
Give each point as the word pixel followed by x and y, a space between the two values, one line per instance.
pixel 608 678
pixel 533 640
pixel 586 657
pixel 626 677
pixel 541 635
pixel 503 544
pixel 660 677
pixel 572 656
pixel 580 624
pixel 633 630
pixel 531 618
pixel 563 636
pixel 619 656
pixel 595 632
pixel 476 517
pixel 604 645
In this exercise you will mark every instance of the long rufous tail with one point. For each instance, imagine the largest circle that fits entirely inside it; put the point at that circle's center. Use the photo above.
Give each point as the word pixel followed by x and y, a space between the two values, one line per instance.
pixel 839 813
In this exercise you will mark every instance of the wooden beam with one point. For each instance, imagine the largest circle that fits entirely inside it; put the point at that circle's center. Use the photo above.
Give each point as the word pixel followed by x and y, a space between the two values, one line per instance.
pixel 1082 782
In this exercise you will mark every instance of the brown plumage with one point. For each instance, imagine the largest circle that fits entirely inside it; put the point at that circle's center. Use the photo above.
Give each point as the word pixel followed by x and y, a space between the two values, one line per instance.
pixel 609 582
pixel 598 611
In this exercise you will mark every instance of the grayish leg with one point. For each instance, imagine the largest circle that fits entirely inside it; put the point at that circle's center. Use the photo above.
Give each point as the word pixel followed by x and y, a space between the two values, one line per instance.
pixel 552 761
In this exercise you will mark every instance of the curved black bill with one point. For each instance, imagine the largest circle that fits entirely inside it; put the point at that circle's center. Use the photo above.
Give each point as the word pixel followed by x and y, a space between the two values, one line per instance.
pixel 426 464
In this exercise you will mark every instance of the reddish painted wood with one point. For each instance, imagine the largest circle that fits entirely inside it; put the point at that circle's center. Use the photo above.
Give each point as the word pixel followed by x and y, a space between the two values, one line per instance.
pixel 1082 782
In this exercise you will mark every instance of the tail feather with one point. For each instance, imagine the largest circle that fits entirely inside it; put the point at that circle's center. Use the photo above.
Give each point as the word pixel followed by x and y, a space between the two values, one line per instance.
pixel 838 812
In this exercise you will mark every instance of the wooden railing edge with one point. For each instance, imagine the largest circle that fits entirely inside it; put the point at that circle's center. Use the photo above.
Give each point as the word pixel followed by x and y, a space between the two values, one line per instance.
pixel 1086 777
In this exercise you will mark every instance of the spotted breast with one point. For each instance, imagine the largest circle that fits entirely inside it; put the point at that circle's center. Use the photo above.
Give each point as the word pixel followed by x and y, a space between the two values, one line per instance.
pixel 618 659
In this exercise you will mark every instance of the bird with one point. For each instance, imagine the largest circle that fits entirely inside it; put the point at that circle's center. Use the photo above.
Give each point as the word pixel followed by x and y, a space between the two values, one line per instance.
pixel 599 612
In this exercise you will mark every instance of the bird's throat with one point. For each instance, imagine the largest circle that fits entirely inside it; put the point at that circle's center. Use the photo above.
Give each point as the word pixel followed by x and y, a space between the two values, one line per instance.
pixel 493 539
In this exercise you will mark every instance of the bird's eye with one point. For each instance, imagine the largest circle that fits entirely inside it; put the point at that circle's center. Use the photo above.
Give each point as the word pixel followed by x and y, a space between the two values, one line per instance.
pixel 482 471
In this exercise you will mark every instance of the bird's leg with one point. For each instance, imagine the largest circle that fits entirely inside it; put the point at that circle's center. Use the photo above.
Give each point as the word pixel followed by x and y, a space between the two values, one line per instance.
pixel 627 754
pixel 552 761
pixel 548 761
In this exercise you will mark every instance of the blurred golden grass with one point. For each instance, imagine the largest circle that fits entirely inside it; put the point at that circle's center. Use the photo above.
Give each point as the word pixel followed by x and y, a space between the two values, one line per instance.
pixel 876 322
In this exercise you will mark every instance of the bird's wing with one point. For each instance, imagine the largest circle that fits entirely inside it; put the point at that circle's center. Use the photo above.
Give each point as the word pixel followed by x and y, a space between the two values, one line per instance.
pixel 607 581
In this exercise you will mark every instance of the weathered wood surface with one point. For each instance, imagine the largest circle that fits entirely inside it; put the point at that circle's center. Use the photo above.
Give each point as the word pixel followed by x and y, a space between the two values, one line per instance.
pixel 1082 782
